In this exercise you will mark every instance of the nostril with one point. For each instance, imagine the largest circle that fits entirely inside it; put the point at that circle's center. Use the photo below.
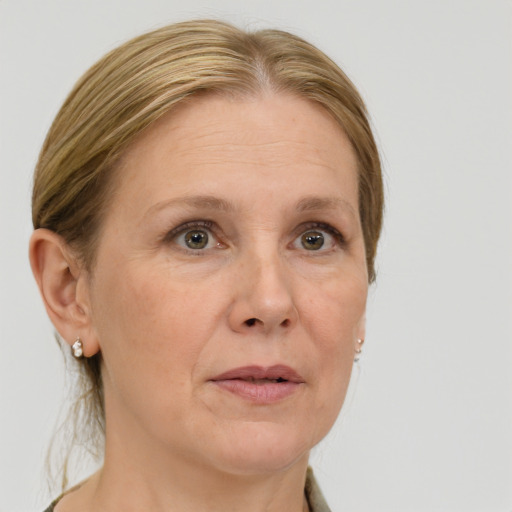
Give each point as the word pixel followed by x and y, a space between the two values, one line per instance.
pixel 251 322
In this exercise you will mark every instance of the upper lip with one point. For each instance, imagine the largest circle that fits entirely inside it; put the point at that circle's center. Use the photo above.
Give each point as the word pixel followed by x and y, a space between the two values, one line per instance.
pixel 275 372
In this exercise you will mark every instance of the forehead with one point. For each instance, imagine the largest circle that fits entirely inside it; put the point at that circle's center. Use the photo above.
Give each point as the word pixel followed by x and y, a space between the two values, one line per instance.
pixel 271 141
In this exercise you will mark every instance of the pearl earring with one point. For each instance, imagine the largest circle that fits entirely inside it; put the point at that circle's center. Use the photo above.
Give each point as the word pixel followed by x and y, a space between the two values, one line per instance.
pixel 358 349
pixel 77 348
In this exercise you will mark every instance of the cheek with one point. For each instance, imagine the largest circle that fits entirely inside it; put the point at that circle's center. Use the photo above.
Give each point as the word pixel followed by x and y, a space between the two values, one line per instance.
pixel 150 321
pixel 333 318
pixel 148 343
pixel 335 312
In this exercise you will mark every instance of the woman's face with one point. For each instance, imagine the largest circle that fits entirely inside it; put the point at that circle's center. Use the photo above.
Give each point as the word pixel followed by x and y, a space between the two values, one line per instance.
pixel 230 284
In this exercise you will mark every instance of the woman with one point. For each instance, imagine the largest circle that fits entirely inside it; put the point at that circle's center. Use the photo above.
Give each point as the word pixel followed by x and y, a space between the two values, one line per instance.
pixel 206 207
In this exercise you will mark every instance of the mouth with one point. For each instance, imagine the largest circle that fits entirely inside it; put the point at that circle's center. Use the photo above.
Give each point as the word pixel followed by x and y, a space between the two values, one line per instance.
pixel 262 385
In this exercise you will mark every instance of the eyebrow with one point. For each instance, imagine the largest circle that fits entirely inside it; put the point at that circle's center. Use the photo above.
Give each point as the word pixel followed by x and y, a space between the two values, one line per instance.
pixel 208 202
pixel 314 203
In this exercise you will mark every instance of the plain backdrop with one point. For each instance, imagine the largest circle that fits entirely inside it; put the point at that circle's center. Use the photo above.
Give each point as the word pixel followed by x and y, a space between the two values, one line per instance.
pixel 428 423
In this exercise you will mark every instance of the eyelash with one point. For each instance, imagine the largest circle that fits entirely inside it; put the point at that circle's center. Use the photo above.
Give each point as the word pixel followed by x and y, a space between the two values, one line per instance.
pixel 205 225
pixel 209 226
pixel 322 226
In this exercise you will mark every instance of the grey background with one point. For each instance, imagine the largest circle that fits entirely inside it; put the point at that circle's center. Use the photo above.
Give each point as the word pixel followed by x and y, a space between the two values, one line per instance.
pixel 428 422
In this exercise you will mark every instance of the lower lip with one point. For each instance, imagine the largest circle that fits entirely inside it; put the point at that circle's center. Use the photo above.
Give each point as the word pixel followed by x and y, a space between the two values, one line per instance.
pixel 260 393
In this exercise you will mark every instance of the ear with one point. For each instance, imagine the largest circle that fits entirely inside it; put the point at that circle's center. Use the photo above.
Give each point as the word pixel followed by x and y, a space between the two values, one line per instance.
pixel 64 287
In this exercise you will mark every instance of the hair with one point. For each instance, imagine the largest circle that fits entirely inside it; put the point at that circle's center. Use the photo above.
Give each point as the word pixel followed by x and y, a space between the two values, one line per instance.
pixel 145 78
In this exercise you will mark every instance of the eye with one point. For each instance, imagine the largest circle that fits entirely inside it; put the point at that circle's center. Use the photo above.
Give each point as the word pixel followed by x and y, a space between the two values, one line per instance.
pixel 194 236
pixel 312 240
pixel 319 237
pixel 196 239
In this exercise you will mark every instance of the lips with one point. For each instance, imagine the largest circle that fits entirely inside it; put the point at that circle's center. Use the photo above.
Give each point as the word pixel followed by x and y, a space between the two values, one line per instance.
pixel 260 385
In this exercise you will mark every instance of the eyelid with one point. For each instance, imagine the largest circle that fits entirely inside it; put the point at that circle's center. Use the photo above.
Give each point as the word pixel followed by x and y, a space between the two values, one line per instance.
pixel 322 226
pixel 202 224
pixel 171 236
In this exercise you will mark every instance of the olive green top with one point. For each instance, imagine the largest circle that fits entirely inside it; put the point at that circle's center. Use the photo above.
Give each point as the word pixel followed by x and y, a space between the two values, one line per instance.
pixel 313 493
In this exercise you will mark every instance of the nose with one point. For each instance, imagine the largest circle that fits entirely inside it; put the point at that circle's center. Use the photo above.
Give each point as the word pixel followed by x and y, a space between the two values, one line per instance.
pixel 263 301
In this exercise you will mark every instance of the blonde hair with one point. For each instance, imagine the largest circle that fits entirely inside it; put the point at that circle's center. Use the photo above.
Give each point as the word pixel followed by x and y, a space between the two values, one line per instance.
pixel 138 82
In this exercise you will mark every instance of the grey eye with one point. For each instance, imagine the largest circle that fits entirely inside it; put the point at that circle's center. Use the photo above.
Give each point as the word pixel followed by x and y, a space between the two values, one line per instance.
pixel 196 239
pixel 312 240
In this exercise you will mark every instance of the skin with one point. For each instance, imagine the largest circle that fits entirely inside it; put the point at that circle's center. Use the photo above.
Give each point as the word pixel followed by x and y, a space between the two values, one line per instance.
pixel 168 318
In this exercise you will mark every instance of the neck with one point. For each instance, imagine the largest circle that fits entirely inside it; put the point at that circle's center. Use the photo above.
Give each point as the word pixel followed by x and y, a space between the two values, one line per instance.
pixel 134 483
pixel 190 489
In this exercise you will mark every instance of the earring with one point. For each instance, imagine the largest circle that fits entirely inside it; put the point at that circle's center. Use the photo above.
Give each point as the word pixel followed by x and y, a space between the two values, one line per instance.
pixel 358 349
pixel 77 348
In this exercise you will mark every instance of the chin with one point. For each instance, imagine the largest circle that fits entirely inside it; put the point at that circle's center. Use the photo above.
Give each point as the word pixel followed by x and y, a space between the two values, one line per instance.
pixel 260 448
